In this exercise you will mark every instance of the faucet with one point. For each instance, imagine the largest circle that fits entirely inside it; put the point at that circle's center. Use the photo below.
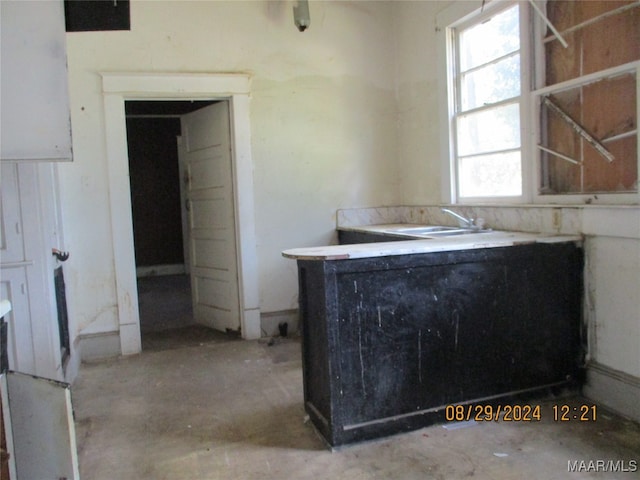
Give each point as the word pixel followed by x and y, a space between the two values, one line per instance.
pixel 463 221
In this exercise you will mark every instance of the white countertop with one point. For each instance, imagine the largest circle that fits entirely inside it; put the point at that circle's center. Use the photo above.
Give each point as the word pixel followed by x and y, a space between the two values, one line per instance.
pixel 5 307
pixel 444 244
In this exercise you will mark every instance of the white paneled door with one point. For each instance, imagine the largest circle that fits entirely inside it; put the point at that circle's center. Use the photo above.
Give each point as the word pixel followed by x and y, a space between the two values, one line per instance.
pixel 212 238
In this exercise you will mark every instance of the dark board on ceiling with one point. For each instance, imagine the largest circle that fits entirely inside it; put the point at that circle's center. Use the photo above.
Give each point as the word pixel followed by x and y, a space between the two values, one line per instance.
pixel 96 15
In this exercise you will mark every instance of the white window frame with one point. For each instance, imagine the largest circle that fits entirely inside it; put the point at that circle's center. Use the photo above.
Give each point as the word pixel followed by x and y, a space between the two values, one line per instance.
pixel 607 198
pixel 532 55
pixel 460 15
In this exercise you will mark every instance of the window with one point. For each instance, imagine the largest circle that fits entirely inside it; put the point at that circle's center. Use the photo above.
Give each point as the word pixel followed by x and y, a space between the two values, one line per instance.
pixel 562 132
pixel 487 93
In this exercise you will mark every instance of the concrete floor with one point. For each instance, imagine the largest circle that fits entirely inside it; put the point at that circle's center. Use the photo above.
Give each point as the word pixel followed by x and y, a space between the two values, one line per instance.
pixel 166 314
pixel 164 302
pixel 225 408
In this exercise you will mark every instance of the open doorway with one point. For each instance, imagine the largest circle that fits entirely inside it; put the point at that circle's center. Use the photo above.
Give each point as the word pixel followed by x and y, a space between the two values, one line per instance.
pixel 235 90
pixel 160 223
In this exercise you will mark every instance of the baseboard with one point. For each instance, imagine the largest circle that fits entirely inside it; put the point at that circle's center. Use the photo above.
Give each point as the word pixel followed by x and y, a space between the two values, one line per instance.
pixel 72 367
pixel 269 322
pixel 153 270
pixel 615 390
pixel 98 346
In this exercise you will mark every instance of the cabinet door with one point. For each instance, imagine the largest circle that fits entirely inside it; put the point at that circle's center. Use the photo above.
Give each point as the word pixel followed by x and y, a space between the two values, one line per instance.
pixel 28 231
pixel 35 115
pixel 13 287
pixel 40 433
pixel 11 236
pixel 411 337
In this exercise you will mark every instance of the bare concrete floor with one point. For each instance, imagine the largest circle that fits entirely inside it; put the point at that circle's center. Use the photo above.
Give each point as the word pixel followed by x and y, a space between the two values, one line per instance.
pixel 232 409
pixel 164 302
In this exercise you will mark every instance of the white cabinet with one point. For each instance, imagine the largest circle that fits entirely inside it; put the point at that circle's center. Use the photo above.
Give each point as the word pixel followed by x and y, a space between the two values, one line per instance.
pixel 29 229
pixel 35 115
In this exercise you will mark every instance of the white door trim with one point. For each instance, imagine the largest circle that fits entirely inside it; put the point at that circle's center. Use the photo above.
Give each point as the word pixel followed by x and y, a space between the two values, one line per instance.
pixel 119 87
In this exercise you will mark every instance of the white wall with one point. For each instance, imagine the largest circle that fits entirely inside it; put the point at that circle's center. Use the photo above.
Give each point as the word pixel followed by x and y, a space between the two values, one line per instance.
pixel 419 93
pixel 323 121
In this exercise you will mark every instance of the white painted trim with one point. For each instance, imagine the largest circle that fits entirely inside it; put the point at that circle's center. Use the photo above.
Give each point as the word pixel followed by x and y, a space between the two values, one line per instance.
pixel 118 87
pixel 584 80
pixel 527 73
pixel 455 15
pixel 245 217
pixel 613 389
pixel 607 198
pixel 35 188
pixel 121 218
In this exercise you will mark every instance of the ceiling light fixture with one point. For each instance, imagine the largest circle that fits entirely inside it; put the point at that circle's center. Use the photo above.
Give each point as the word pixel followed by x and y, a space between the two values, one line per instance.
pixel 301 14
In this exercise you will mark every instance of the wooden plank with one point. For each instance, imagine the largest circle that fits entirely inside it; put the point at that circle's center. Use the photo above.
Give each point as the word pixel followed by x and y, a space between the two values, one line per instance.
pixel 611 41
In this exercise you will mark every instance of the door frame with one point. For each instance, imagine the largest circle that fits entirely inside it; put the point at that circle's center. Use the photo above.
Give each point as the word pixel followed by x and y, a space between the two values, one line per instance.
pixel 235 88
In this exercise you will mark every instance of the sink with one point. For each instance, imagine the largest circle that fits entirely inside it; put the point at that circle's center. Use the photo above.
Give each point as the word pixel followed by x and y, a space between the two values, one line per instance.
pixel 458 231
pixel 430 231
pixel 424 230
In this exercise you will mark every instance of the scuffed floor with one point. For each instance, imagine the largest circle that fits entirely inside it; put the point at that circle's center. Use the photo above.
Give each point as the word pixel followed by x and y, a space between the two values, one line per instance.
pixel 231 409
pixel 164 302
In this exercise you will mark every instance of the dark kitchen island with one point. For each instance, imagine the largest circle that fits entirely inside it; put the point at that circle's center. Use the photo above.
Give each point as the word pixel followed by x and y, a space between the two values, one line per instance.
pixel 393 333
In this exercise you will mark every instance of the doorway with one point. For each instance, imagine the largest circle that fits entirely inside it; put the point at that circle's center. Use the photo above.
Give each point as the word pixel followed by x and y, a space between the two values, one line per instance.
pixel 162 262
pixel 120 87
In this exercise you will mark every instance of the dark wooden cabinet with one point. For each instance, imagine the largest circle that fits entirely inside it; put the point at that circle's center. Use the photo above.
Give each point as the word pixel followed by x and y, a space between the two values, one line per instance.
pixel 389 342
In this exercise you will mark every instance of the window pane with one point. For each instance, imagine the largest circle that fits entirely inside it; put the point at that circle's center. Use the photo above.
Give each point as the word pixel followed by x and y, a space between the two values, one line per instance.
pixel 491 39
pixel 490 84
pixel 489 130
pixel 497 175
